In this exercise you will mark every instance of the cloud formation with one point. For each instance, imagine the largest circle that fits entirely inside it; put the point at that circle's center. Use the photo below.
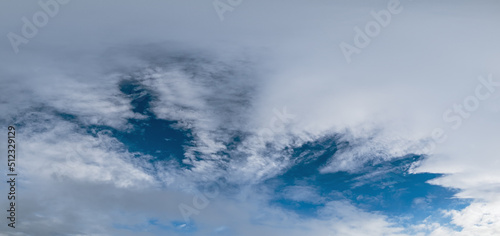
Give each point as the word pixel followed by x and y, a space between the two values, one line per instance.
pixel 225 88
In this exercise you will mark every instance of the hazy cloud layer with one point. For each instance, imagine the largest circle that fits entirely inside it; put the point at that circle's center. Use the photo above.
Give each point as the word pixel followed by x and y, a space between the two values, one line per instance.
pixel 227 85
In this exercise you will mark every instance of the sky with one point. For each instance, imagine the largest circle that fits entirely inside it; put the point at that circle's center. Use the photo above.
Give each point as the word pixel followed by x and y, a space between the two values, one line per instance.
pixel 235 117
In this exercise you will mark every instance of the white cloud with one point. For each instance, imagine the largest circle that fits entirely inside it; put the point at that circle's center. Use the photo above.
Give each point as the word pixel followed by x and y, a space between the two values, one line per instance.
pixel 302 194
pixel 386 102
pixel 55 148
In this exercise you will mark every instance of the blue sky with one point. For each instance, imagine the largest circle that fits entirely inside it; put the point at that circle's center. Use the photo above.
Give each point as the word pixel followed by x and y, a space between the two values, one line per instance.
pixel 179 118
